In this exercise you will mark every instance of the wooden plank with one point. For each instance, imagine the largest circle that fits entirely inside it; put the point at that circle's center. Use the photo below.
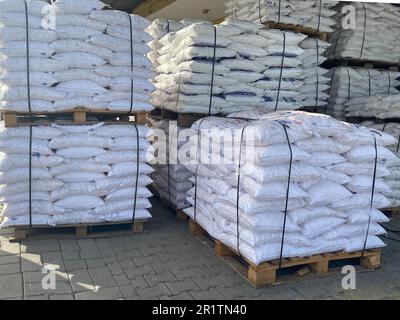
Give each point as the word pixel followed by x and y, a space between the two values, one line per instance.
pixel 80 230
pixel 181 216
pixel 195 229
pixel 77 116
pixel 149 7
pixel 297 28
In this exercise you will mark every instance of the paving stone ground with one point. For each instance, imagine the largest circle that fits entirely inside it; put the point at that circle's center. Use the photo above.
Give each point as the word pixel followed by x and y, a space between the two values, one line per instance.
pixel 164 263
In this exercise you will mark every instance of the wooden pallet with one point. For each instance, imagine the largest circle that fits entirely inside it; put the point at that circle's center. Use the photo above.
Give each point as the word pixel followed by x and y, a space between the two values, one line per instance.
pixel 79 230
pixel 77 116
pixel 298 29
pixel 367 64
pixel 183 120
pixel 266 273
pixel 393 213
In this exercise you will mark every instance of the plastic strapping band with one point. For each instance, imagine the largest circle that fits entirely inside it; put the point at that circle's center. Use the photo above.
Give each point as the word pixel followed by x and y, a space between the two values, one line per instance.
pixel 372 196
pixel 131 38
pixel 28 76
pixel 279 11
pixel 281 71
pixel 168 26
pixel 238 192
pixel 364 33
pixel 196 172
pixel 390 82
pixel 259 11
pixel 319 16
pixel 30 176
pixel 287 194
pixel 137 173
pixel 384 126
pixel 330 88
pixel 213 72
pixel 369 83
pixel 317 74
pixel 398 145
pixel 349 88
pixel 168 162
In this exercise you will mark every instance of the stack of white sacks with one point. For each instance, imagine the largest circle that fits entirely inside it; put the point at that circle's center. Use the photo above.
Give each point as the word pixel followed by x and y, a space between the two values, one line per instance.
pixel 392 128
pixel 330 187
pixel 374 36
pixel 79 174
pixel 315 78
pixel 158 30
pixel 79 56
pixel 252 69
pixel 351 83
pixel 379 106
pixel 314 14
pixel 171 179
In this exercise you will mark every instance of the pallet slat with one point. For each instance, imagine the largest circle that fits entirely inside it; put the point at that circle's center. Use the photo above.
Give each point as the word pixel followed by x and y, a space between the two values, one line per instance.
pixel 266 273
pixel 184 120
pixel 392 213
pixel 77 116
pixel 80 231
pixel 297 28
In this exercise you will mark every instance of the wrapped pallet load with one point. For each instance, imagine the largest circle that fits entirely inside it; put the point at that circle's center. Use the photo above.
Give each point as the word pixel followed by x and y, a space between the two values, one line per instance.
pixel 374 36
pixel 393 180
pixel 298 184
pixel 316 80
pixel 73 54
pixel 171 179
pixel 316 15
pixel 358 83
pixel 230 67
pixel 74 174
pixel 159 29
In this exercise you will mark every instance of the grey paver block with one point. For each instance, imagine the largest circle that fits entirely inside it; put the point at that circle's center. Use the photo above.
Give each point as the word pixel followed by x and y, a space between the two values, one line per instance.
pixel 154 292
pixel 102 277
pixel 34 289
pixel 181 286
pixel 161 267
pixel 101 294
pixel 70 255
pixel 212 282
pixel 62 297
pixel 211 294
pixel 11 286
pixel 95 263
pixel 157 278
pixel 73 265
pixel 9 248
pixel 81 281
pixel 139 282
pixel 90 254
pixel 146 261
pixel 10 268
pixel 115 268
pixel 134 272
pixel 9 259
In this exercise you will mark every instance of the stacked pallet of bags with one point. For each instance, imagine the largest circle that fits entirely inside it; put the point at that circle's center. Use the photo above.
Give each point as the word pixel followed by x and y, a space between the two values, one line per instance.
pixel 233 66
pixel 351 83
pixel 78 55
pixel 327 188
pixel 377 106
pixel 315 14
pixel 171 179
pixel 316 81
pixel 375 35
pixel 76 174
pixel 158 30
pixel 392 128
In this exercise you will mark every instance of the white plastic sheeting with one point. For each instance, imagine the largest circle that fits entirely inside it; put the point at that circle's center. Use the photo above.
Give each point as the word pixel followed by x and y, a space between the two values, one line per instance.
pixel 330 187
pixel 353 83
pixel 171 179
pixel 76 52
pixel 314 14
pixel 393 180
pixel 79 174
pixel 374 37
